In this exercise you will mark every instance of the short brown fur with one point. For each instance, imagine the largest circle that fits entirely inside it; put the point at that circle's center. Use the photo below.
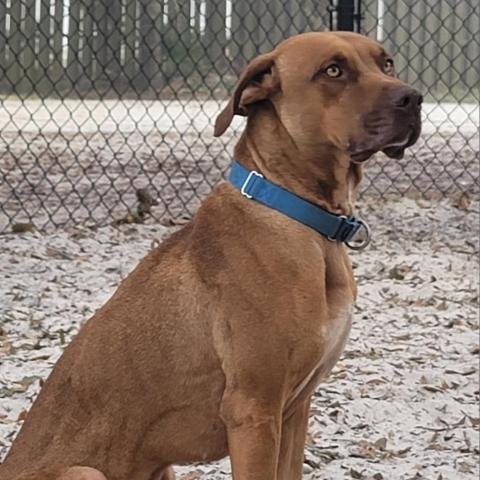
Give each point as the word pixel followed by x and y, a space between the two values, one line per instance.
pixel 216 341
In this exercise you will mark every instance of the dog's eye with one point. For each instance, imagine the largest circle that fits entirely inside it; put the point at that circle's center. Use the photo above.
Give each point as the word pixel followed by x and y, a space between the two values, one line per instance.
pixel 333 71
pixel 389 66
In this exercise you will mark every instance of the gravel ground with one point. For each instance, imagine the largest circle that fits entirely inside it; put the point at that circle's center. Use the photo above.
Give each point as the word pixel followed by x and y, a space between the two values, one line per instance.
pixel 66 162
pixel 400 404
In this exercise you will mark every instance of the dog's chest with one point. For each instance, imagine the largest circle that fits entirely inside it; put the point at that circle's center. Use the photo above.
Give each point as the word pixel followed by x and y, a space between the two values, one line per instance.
pixel 333 337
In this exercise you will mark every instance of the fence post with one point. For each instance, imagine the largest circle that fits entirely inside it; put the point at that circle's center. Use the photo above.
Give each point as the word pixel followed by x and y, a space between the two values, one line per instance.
pixel 42 82
pixel 130 34
pixel 73 58
pixel 27 57
pixel 470 47
pixel 214 38
pixel 346 14
pixel 283 20
pixel 3 42
pixel 198 4
pixel 150 47
pixel 113 69
pixel 87 59
pixel 56 69
pixel 371 23
pixel 170 38
pixel 240 35
pixel 183 60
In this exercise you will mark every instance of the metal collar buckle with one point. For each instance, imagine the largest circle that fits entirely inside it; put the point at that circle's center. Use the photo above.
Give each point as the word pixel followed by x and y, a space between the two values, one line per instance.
pixel 340 230
pixel 245 185
pixel 366 240
pixel 343 231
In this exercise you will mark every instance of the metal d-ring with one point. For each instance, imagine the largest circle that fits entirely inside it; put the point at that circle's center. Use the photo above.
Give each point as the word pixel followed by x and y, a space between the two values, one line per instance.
pixel 366 240
pixel 343 218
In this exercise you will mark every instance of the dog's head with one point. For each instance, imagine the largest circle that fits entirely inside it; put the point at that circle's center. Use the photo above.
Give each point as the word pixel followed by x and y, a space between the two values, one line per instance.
pixel 336 89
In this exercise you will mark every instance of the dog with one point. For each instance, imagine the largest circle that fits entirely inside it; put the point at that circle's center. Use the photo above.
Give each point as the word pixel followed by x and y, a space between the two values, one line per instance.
pixel 214 344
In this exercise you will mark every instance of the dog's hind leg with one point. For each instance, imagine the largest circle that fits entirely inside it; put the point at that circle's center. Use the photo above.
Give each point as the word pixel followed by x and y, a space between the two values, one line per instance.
pixel 164 474
pixel 81 473
pixel 61 473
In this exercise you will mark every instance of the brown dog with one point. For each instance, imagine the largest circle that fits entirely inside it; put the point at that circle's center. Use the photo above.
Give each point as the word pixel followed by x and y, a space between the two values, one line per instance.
pixel 215 343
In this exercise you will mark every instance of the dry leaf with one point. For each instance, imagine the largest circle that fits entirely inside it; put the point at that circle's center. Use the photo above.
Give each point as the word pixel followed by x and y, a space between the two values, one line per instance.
pixel 464 373
pixel 465 467
pixel 474 421
pixel 464 202
pixel 191 476
pixel 356 474
pixel 381 443
pixel 432 388
pixel 402 452
pixel 375 381
pixel 23 227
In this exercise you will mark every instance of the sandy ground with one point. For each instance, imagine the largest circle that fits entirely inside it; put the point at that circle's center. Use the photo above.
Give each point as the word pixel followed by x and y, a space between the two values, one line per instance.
pixel 70 162
pixel 402 403
pixel 108 116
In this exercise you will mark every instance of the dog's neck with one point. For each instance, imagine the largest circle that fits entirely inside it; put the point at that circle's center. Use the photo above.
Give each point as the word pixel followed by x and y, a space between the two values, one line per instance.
pixel 326 178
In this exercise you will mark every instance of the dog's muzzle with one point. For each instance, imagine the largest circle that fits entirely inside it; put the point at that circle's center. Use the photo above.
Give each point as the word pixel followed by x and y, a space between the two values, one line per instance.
pixel 392 126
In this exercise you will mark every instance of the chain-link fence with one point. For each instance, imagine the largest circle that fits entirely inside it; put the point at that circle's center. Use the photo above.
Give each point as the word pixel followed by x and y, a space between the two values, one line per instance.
pixel 106 103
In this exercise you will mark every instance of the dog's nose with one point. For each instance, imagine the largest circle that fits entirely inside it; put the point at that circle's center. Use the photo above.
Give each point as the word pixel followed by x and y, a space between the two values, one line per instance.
pixel 407 98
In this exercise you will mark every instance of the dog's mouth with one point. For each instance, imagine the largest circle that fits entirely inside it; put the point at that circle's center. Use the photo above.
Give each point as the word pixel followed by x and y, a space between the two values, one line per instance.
pixel 393 148
pixel 362 156
pixel 397 149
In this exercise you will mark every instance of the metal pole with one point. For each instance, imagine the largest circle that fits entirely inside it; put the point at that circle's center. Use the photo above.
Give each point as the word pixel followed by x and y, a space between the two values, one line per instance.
pixel 346 15
pixel 359 16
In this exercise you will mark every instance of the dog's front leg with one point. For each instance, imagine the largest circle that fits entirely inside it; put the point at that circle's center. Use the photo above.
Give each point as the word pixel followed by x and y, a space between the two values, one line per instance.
pixel 253 430
pixel 294 433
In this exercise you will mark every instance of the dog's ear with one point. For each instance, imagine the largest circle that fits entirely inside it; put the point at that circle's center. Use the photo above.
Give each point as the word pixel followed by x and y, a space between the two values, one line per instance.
pixel 257 82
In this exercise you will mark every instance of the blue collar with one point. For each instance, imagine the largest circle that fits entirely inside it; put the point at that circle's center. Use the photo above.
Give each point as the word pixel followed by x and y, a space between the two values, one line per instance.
pixel 340 228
